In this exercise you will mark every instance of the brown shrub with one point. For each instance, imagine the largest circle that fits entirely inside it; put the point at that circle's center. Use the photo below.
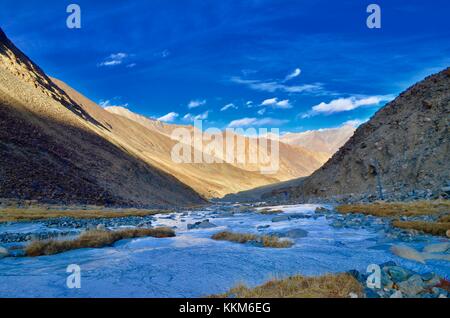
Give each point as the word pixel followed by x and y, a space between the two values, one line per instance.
pixel 433 228
pixel 40 213
pixel 327 286
pixel 93 239
pixel 242 238
pixel 395 209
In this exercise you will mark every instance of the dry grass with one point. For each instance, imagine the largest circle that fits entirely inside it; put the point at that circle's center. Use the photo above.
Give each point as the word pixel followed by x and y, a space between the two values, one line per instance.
pixel 433 228
pixel 41 213
pixel 93 239
pixel 269 211
pixel 242 238
pixel 395 209
pixel 327 286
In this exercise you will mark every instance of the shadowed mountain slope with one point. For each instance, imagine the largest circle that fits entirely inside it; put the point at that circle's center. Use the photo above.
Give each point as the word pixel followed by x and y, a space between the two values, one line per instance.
pixel 52 150
pixel 402 152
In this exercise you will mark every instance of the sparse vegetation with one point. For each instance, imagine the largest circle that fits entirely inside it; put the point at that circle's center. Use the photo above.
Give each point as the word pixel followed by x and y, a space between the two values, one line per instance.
pixel 242 238
pixel 327 286
pixel 433 228
pixel 41 213
pixel 395 209
pixel 269 211
pixel 93 239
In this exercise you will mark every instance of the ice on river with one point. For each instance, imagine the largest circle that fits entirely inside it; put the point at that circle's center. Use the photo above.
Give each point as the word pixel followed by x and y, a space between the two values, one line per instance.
pixel 193 265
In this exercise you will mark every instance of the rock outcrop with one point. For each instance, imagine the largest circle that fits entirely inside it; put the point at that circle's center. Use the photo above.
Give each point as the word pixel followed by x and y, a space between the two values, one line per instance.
pixel 401 153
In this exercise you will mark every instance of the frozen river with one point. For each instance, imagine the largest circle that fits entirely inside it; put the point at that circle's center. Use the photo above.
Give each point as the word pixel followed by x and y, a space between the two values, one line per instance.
pixel 193 265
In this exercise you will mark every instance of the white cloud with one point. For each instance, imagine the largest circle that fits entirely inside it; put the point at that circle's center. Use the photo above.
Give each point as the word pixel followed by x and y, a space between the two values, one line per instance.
pixel 169 117
pixel 249 104
pixel 269 102
pixel 294 74
pixel 355 122
pixel 284 104
pixel 108 103
pixel 114 59
pixel 246 122
pixel 261 111
pixel 275 103
pixel 228 106
pixel 274 86
pixel 196 103
pixel 191 117
pixel 346 104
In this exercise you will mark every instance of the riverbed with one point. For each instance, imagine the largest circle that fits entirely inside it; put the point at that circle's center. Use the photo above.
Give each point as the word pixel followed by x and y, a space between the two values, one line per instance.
pixel 193 265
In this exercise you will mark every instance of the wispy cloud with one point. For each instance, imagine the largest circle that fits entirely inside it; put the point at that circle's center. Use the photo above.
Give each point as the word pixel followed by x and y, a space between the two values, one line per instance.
pixel 114 59
pixel 196 103
pixel 169 117
pixel 228 106
pixel 162 54
pixel 275 103
pixel 108 103
pixel 250 121
pixel 190 117
pixel 274 86
pixel 346 104
pixel 292 75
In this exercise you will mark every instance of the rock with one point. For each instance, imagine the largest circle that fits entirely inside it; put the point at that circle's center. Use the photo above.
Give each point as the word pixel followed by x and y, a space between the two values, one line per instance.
pixel 448 233
pixel 101 227
pixel 353 295
pixel 386 281
pixel 397 294
pixel 280 218
pixel 321 210
pixel 408 253
pixel 398 274
pixel 437 248
pixel 431 281
pixel 147 223
pixel 413 286
pixel 3 252
pixel 388 264
pixel 337 224
pixel 201 225
pixel 293 234
pixel 438 291
pixel 446 190
pixel 370 293
pixel 262 227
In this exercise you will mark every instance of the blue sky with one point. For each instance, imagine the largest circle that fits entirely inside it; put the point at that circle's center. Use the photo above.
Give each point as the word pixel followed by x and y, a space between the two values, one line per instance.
pixel 295 65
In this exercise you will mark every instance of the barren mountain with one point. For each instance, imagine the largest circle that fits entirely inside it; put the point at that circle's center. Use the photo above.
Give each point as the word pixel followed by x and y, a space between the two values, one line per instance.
pixel 402 152
pixel 52 150
pixel 294 161
pixel 322 140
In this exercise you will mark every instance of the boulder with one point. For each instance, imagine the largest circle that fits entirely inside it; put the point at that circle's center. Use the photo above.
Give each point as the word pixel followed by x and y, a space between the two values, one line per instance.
pixel 3 252
pixel 281 218
pixel 205 224
pixel 398 274
pixel 101 227
pixel 397 294
pixel 412 286
pixel 293 234
pixel 448 233
pixel 321 210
